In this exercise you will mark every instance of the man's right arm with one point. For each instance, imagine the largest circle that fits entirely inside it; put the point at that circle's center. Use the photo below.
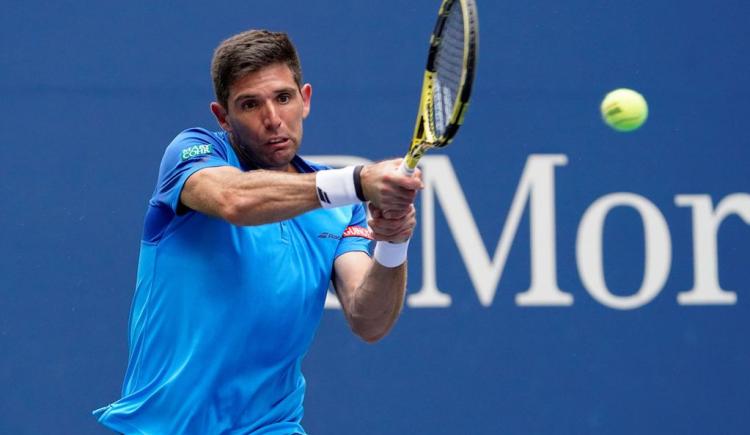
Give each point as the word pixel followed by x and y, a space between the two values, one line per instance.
pixel 261 196
pixel 249 198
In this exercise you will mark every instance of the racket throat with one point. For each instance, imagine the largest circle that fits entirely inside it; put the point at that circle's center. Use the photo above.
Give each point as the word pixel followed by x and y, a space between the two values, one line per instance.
pixel 415 153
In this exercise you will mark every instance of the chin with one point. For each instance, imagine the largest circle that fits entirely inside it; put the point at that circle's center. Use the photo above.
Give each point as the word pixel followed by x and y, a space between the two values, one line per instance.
pixel 281 162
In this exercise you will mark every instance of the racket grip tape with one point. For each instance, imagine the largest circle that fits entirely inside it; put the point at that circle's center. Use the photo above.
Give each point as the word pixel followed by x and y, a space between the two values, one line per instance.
pixel 404 168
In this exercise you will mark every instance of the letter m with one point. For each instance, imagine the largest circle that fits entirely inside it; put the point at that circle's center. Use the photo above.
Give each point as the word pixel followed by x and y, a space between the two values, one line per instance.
pixel 536 188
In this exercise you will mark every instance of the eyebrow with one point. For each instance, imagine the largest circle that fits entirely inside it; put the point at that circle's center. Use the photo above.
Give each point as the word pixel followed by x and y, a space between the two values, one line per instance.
pixel 251 96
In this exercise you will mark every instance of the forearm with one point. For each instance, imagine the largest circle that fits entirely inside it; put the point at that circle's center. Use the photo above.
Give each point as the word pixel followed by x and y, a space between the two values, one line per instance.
pixel 261 197
pixel 377 302
pixel 250 198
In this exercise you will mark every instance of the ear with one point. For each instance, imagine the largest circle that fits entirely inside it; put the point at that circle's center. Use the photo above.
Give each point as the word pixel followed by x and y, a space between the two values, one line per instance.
pixel 306 92
pixel 221 116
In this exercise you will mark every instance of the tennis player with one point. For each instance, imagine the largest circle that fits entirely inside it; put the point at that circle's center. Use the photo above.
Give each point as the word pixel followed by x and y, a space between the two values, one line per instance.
pixel 241 240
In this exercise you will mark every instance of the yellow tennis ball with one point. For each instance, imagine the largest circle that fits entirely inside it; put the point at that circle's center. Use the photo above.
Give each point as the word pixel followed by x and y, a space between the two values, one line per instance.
pixel 624 109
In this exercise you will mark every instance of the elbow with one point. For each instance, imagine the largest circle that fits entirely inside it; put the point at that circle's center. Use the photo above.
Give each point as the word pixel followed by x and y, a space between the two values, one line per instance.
pixel 371 327
pixel 370 333
pixel 372 338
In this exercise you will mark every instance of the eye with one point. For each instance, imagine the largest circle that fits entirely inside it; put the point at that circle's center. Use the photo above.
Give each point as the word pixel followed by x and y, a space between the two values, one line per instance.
pixel 249 105
pixel 284 98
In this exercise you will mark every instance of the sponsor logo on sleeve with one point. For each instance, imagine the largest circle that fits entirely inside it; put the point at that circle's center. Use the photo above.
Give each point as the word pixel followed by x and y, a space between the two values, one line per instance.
pixel 195 151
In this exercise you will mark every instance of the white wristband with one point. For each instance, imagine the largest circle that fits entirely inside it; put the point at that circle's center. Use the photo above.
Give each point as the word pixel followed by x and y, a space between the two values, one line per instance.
pixel 336 187
pixel 391 254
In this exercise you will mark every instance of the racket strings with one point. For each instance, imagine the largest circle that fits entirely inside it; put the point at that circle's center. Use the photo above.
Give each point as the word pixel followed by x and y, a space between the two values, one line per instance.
pixel 449 61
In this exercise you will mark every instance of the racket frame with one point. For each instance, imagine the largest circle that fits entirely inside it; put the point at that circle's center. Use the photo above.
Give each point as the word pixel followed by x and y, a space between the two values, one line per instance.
pixel 425 136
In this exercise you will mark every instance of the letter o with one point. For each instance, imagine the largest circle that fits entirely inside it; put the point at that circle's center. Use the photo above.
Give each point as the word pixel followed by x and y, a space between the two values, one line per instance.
pixel 589 250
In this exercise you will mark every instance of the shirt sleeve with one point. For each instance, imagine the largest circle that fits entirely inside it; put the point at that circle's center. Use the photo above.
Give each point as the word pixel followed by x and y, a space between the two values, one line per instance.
pixel 186 155
pixel 357 236
pixel 191 151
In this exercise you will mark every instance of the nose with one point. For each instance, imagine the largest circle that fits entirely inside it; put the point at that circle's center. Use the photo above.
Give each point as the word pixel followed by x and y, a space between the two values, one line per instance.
pixel 271 119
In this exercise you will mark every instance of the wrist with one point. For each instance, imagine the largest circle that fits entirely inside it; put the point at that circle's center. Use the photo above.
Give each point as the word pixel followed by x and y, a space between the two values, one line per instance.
pixel 338 187
pixel 358 187
pixel 391 254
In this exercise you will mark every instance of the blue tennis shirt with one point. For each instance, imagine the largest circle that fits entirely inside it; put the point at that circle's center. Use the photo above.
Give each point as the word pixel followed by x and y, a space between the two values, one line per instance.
pixel 222 314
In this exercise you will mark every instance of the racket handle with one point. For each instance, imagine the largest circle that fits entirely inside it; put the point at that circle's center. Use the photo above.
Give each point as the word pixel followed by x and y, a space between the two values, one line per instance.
pixel 404 169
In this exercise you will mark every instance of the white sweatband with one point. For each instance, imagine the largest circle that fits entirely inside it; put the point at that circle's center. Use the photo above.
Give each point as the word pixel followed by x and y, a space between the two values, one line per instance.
pixel 337 187
pixel 391 254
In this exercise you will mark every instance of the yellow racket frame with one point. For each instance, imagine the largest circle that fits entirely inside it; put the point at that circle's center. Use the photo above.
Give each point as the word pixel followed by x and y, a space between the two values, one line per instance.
pixel 425 136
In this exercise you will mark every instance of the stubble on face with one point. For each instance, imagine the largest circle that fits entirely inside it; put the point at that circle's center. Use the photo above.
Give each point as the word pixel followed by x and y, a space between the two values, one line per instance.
pixel 265 114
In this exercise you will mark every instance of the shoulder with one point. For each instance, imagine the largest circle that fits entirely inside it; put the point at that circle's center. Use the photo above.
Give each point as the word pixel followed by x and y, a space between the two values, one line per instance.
pixel 197 136
pixel 198 133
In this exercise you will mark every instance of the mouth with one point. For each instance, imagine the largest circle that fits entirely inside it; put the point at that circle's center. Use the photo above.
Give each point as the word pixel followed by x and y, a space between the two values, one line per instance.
pixel 278 142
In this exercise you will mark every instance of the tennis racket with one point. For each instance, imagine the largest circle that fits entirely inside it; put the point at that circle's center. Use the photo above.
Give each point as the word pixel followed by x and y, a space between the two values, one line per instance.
pixel 447 81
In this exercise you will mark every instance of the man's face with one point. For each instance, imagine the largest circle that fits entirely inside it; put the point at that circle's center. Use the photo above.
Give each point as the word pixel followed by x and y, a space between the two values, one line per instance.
pixel 264 115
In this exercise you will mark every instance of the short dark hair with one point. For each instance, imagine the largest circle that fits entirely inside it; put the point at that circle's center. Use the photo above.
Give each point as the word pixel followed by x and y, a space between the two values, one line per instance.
pixel 248 52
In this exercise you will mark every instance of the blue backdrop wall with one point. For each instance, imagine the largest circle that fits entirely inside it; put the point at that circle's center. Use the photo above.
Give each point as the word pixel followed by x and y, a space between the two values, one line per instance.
pixel 631 249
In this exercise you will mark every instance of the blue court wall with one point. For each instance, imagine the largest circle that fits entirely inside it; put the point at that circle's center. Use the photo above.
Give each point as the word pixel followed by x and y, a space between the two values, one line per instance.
pixel 616 304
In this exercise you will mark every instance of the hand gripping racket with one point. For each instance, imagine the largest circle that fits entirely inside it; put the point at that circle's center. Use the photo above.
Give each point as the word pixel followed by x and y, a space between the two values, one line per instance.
pixel 447 81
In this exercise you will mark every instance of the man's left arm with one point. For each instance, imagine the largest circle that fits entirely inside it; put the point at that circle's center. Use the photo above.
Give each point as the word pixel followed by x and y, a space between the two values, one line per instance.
pixel 371 291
